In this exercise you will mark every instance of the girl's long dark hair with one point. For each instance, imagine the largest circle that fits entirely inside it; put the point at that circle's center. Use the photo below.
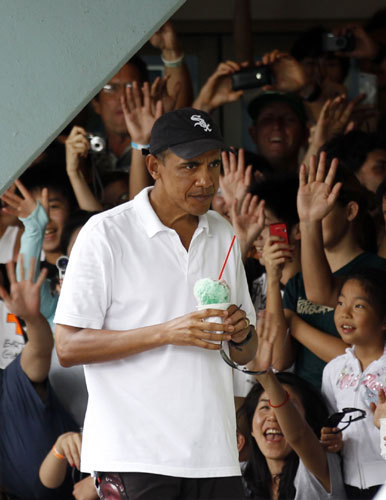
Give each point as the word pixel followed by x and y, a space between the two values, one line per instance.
pixel 256 474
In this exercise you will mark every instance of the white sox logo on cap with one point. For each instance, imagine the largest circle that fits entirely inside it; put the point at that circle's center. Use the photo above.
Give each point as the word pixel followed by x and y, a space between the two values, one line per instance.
pixel 201 122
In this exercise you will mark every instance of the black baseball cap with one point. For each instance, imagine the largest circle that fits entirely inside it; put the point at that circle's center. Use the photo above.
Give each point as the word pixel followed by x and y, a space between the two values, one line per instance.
pixel 294 101
pixel 187 132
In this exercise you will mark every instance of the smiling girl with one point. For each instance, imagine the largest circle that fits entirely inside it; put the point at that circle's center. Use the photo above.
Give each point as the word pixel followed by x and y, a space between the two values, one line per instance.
pixel 355 378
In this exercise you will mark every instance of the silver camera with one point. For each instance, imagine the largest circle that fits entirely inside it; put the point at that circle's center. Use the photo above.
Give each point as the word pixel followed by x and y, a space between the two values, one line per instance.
pixel 61 264
pixel 97 143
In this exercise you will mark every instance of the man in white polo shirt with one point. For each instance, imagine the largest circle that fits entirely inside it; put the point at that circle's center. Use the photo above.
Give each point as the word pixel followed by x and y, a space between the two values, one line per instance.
pixel 160 420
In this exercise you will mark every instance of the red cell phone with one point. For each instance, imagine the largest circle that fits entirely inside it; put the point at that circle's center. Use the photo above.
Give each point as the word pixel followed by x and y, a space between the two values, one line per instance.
pixel 279 229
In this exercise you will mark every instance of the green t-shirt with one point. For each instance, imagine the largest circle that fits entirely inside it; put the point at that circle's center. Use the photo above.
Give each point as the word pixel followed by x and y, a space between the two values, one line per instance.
pixel 307 364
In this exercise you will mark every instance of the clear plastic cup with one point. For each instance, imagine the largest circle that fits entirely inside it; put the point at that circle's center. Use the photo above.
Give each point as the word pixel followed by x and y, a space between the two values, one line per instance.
pixel 214 319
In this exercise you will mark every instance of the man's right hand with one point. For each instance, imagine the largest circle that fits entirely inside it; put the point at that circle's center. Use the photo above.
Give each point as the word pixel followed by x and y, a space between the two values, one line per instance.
pixel 194 329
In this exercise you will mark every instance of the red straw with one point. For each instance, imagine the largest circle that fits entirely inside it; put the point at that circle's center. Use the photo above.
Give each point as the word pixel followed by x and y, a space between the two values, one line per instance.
pixel 226 258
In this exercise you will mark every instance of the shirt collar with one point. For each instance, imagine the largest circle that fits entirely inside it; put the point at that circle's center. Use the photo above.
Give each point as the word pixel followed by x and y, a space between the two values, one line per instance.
pixel 351 351
pixel 150 219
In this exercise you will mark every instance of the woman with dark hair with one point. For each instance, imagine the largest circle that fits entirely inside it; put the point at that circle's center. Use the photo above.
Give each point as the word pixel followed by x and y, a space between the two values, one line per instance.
pixel 285 415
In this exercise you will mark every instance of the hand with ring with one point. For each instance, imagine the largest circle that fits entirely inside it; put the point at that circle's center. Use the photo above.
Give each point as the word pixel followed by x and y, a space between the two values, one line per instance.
pixel 237 317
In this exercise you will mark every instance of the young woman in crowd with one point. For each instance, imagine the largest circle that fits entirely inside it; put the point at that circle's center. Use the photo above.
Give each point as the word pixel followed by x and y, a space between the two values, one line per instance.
pixel 285 415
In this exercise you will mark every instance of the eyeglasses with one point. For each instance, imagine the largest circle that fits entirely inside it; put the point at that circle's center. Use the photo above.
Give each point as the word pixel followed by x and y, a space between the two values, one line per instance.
pixel 337 418
pixel 115 88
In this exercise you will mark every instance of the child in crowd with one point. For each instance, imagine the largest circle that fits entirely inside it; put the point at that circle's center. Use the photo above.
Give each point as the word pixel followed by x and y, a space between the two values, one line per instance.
pixel 69 383
pixel 43 205
pixel 355 378
pixel 285 415
pixel 65 454
pixel 31 416
pixel 331 224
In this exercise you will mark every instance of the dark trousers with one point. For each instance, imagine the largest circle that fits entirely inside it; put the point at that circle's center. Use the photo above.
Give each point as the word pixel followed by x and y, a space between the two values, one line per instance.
pixel 143 486
pixel 358 494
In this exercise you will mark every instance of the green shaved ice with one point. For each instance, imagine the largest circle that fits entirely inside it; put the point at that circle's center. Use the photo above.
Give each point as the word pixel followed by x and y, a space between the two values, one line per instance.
pixel 209 291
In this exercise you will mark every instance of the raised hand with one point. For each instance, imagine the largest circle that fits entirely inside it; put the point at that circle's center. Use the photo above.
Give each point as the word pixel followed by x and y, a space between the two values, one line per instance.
pixel 138 112
pixel 77 148
pixel 24 297
pixel 275 254
pixel 22 206
pixel 248 221
pixel 70 445
pixel 236 180
pixel 317 194
pixel 159 92
pixel 166 39
pixel 289 74
pixel 335 118
pixel 217 90
pixel 365 46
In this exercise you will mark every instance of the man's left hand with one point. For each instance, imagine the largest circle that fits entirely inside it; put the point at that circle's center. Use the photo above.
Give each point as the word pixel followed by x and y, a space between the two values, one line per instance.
pixel 239 320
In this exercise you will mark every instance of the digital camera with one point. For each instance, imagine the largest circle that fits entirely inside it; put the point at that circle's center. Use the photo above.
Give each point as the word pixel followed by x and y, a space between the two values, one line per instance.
pixel 97 143
pixel 61 264
pixel 333 43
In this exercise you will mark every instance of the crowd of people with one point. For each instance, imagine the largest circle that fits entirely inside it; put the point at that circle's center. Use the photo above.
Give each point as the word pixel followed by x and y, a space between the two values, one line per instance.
pixel 113 383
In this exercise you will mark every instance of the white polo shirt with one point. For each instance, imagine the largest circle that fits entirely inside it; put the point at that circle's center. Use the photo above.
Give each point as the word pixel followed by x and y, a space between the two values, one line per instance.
pixel 169 410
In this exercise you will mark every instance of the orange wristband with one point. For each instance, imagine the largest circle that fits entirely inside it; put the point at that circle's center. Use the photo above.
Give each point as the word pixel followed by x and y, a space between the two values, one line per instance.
pixel 287 396
pixel 57 454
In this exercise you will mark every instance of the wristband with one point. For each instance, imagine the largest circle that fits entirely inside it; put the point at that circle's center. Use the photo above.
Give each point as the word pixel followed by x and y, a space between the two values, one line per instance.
pixel 287 396
pixel 243 342
pixel 139 147
pixel 175 63
pixel 57 454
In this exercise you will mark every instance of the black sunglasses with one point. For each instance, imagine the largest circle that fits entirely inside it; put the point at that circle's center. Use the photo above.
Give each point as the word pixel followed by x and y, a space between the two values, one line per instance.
pixel 337 418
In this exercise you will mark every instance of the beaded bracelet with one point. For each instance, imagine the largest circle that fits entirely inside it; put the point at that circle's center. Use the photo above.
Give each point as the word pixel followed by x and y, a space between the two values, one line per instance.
pixel 57 454
pixel 287 396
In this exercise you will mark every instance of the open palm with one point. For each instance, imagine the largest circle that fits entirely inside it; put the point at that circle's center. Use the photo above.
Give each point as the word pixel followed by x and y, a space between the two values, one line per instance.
pixel 317 194
pixel 24 297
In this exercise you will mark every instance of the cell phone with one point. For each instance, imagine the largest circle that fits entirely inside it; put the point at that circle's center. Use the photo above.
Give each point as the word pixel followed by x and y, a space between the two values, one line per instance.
pixel 251 78
pixel 333 43
pixel 279 229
